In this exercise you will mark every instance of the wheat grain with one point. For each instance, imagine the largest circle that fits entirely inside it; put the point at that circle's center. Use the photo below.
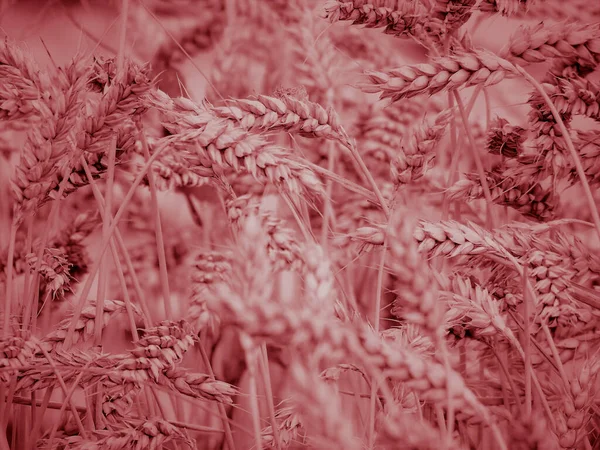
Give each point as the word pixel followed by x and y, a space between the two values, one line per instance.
pixel 17 351
pixel 528 197
pixel 416 289
pixel 151 433
pixel 573 97
pixel 505 139
pixel 285 113
pixel 417 153
pixel 85 325
pixel 472 308
pixel 319 407
pixel 25 88
pixel 452 239
pixel 405 19
pixel 47 147
pixel 217 144
pixel 575 407
pixel 477 67
pixel 567 41
pixel 290 428
pixel 282 246
pixel 504 7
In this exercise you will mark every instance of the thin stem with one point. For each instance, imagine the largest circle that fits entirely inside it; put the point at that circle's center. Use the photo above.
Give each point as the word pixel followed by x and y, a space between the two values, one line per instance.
pixel 527 300
pixel 453 159
pixel 348 184
pixel 506 376
pixel 67 401
pixel 5 412
pixel 451 413
pixel 63 386
pixel 478 161
pixel 3 441
pixel 30 311
pixel 253 394
pixel 28 246
pixel 556 356
pixel 328 210
pixel 534 378
pixel 122 36
pixel 160 242
pixel 376 320
pixel 189 198
pixel 33 412
pixel 370 179
pixel 43 407
pixel 103 275
pixel 266 376
pixel 113 248
pixel 9 276
pixel 221 407
pixel 105 244
pixel 454 144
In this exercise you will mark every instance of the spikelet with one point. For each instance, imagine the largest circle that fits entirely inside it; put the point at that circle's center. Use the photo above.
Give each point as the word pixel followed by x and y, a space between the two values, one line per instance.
pixel 463 69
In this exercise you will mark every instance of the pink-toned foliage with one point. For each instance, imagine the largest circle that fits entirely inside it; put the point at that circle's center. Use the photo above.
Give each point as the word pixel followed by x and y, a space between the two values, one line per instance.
pixel 268 224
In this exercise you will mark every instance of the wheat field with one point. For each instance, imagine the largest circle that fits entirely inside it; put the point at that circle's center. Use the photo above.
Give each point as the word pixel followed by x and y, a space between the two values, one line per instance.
pixel 299 224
